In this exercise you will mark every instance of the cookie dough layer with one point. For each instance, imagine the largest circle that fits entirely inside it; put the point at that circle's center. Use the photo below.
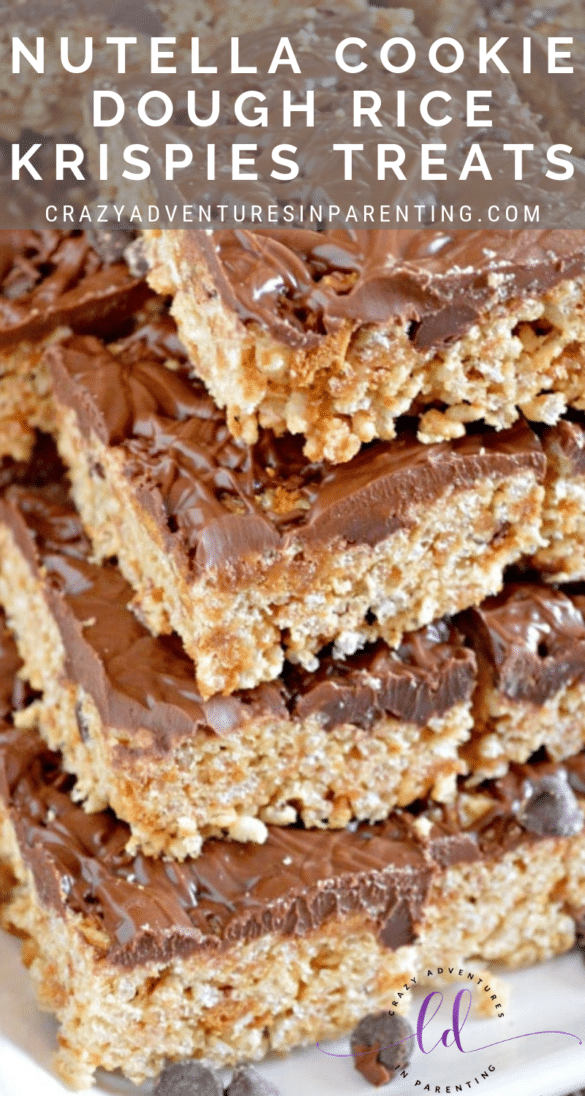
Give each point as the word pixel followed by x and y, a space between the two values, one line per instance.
pixel 351 741
pixel 562 556
pixel 256 554
pixel 49 281
pixel 335 334
pixel 252 949
pixel 530 645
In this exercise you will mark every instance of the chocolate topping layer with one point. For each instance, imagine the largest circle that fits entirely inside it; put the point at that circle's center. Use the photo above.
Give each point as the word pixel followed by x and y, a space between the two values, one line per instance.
pixel 151 910
pixel 532 638
pixel 301 285
pixel 49 278
pixel 154 909
pixel 138 680
pixel 219 502
pixel 428 674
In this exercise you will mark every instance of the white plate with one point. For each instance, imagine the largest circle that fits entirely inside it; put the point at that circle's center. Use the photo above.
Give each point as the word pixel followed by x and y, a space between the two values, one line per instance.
pixel 550 997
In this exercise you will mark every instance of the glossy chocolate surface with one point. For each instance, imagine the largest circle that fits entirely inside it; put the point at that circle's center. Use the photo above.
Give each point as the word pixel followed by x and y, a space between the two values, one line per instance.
pixel 301 285
pixel 142 681
pixel 153 910
pixel 532 637
pixel 218 502
pixel 50 278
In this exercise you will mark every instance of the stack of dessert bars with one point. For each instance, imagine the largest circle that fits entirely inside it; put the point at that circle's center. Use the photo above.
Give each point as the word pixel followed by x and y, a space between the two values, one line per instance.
pixel 292 696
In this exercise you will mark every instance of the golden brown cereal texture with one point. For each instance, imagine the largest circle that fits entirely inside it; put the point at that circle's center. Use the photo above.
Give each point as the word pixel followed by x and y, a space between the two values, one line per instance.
pixel 523 355
pixel 453 556
pixel 278 992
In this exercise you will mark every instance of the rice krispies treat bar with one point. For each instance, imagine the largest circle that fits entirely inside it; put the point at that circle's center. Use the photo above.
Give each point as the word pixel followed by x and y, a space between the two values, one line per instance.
pixel 353 740
pixel 529 641
pixel 255 554
pixel 561 558
pixel 49 282
pixel 335 334
pixel 252 949
pixel 49 103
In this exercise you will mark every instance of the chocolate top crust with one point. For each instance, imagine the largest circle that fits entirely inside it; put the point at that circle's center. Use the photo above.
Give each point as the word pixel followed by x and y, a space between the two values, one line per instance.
pixel 532 637
pixel 301 285
pixel 220 503
pixel 152 910
pixel 49 278
pixel 147 682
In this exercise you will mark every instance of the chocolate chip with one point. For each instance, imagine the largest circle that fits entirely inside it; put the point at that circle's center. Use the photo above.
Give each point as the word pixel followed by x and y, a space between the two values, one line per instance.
pixel 248 1082
pixel 549 807
pixel 188 1079
pixel 381 1045
pixel 398 929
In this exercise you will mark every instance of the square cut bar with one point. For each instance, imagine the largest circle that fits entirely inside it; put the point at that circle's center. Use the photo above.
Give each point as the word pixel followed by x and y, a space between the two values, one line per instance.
pixel 562 556
pixel 252 949
pixel 335 334
pixel 529 641
pixel 353 740
pixel 49 281
pixel 254 554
